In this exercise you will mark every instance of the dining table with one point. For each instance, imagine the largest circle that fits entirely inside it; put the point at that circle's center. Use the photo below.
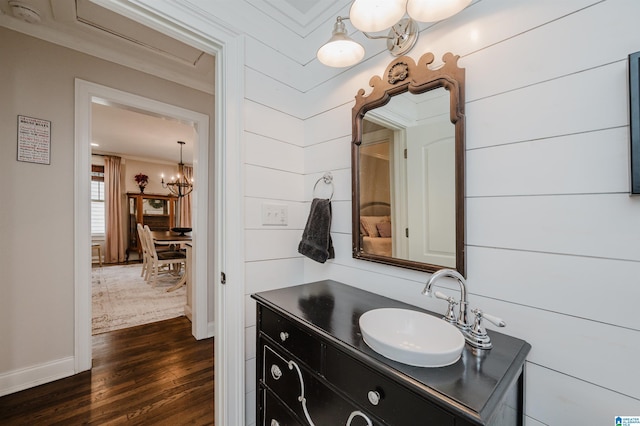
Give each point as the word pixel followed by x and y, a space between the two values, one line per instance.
pixel 168 238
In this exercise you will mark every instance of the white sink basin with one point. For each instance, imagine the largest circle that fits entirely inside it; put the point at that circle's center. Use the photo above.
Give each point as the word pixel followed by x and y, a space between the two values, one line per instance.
pixel 411 337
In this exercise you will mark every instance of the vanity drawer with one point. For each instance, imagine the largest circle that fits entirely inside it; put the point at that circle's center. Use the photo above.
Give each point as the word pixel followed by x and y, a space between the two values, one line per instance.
pixel 276 414
pixel 277 376
pixel 396 404
pixel 305 347
pixel 323 406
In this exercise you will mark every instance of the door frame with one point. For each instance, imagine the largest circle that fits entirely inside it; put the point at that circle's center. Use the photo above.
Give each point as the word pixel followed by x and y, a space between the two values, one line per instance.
pixel 190 25
pixel 87 93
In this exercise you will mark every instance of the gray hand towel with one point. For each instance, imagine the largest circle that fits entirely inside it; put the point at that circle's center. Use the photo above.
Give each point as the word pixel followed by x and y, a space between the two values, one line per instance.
pixel 316 241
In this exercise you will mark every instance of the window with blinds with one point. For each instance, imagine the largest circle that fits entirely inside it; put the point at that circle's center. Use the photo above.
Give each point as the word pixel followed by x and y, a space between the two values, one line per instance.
pixel 97 201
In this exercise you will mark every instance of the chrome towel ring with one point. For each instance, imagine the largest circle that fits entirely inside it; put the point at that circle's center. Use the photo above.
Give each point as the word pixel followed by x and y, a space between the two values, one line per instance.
pixel 327 178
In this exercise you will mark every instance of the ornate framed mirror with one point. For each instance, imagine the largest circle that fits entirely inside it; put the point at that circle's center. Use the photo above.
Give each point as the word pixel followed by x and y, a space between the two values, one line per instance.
pixel 407 163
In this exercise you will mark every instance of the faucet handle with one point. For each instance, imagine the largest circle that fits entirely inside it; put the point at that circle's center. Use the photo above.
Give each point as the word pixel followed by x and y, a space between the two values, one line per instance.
pixel 477 336
pixel 450 315
pixel 477 324
pixel 499 322
pixel 441 295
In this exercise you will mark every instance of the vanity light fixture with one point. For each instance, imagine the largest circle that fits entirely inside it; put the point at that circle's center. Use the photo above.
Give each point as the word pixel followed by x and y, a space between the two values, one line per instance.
pixel 370 16
pixel 376 15
pixel 341 50
pixel 435 10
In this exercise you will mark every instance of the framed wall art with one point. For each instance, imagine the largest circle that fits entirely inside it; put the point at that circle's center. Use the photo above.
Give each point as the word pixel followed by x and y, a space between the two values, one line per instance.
pixel 34 140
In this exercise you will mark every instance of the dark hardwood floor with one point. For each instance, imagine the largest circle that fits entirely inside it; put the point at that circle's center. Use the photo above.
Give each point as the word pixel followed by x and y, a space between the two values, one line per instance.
pixel 154 374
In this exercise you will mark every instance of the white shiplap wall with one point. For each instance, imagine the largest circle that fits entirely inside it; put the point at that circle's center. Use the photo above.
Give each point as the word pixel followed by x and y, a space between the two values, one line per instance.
pixel 274 174
pixel 553 244
pixel 550 227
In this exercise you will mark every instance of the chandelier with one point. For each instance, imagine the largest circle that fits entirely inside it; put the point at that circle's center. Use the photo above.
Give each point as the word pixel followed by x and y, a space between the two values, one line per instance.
pixel 180 185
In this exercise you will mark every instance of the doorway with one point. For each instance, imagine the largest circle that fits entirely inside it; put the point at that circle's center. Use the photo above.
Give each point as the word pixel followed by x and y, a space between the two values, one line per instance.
pixel 226 252
pixel 86 94
pixel 124 294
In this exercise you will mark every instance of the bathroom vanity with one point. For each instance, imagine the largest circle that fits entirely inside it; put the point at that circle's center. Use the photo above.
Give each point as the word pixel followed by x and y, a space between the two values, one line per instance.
pixel 314 368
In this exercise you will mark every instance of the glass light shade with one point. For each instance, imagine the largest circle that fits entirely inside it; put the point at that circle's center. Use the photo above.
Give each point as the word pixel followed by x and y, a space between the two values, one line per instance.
pixel 434 10
pixel 340 53
pixel 341 50
pixel 376 15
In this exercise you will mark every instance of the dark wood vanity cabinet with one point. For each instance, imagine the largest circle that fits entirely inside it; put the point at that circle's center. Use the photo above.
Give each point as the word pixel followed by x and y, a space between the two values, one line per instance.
pixel 290 362
pixel 285 383
pixel 313 368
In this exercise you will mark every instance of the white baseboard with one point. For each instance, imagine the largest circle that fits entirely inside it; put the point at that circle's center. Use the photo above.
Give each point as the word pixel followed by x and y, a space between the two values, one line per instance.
pixel 25 378
pixel 188 312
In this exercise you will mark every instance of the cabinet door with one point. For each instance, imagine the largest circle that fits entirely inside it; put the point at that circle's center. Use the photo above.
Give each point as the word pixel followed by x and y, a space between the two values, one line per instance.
pixel 304 393
pixel 133 222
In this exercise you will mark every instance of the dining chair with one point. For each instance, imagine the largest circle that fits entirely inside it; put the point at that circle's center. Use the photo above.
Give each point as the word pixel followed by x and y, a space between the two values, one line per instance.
pixel 145 252
pixel 159 259
pixel 144 245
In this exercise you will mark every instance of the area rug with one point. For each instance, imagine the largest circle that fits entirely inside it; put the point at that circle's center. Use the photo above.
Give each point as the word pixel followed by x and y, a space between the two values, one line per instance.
pixel 121 298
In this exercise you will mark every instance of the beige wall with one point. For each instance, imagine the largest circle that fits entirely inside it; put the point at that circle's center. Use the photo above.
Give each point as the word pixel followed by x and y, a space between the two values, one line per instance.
pixel 153 170
pixel 36 216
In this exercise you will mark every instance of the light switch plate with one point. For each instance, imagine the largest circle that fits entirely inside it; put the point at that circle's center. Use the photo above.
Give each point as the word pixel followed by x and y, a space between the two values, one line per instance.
pixel 275 214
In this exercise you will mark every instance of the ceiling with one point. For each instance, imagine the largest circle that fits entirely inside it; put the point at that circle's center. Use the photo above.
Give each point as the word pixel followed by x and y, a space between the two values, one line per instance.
pixel 84 26
pixel 139 135
pixel 301 16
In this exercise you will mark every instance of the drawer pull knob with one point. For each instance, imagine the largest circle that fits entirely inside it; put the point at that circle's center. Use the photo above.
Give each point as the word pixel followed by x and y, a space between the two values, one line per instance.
pixel 274 422
pixel 284 335
pixel 276 373
pixel 374 397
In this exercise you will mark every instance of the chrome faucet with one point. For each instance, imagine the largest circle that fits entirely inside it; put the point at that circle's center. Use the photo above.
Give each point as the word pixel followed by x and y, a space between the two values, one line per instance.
pixel 463 319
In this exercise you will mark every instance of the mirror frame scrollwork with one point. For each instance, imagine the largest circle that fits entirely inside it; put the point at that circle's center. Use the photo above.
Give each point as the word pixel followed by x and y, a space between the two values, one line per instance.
pixel 404 75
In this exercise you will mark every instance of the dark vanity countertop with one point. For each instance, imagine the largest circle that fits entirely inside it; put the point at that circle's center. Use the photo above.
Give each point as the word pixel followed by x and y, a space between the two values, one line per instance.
pixel 472 387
